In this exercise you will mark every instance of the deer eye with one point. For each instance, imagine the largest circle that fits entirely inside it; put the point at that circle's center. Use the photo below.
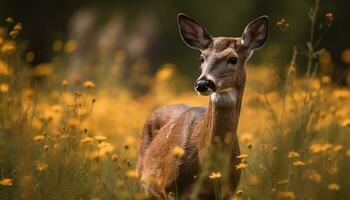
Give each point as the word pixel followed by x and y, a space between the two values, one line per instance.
pixel 232 60
pixel 202 59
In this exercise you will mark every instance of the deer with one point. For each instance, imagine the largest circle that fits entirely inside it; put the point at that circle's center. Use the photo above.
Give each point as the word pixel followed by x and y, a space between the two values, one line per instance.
pixel 201 131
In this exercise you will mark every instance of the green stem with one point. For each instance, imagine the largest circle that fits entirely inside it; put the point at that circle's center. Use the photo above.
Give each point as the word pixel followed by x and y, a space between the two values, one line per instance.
pixel 312 35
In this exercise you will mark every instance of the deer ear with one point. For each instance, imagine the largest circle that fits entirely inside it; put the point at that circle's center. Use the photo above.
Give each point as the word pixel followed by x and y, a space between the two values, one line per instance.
pixel 255 34
pixel 192 33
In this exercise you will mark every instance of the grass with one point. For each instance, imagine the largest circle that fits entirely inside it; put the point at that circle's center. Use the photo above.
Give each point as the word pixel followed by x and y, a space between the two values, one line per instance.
pixel 78 140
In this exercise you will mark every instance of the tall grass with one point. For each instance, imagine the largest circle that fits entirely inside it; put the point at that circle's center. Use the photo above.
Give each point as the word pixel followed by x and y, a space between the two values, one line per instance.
pixel 303 153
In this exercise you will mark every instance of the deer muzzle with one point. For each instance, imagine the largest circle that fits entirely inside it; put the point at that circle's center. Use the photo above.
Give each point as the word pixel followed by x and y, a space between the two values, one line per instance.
pixel 204 86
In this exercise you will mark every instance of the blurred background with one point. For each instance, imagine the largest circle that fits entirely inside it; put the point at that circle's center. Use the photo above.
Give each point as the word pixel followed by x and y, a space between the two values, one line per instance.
pixel 145 35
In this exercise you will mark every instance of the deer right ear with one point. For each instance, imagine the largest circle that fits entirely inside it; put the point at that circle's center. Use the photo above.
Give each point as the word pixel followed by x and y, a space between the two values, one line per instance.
pixel 255 34
pixel 192 33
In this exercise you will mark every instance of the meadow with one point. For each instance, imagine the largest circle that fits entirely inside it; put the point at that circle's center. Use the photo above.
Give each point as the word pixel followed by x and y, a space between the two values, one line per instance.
pixel 69 138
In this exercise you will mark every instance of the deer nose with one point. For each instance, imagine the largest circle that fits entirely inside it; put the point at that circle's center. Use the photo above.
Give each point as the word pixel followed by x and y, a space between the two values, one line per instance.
pixel 204 85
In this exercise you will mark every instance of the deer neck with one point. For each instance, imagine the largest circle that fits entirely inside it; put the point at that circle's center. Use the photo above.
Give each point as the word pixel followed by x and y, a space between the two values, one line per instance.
pixel 221 120
pixel 216 138
pixel 223 115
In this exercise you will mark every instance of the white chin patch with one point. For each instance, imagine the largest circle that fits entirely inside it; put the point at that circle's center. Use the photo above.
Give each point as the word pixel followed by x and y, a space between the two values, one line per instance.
pixel 205 93
pixel 224 97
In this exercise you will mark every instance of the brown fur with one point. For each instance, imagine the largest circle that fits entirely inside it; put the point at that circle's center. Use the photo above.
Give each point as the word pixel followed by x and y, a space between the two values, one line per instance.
pixel 196 129
pixel 190 128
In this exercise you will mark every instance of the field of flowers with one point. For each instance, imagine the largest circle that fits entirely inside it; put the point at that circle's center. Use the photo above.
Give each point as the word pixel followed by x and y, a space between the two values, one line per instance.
pixel 66 138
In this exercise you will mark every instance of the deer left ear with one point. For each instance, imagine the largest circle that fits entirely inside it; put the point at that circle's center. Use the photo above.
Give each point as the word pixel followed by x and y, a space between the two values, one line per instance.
pixel 255 34
pixel 193 33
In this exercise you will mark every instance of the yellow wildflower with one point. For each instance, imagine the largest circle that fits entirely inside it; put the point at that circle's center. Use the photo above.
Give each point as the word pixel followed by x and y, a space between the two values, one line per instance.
pixel 9 20
pixel 346 123
pixel 65 83
pixel 282 23
pixel 56 108
pixel 347 153
pixel 89 84
pixel 8 47
pixel 286 195
pixel 254 180
pixel 82 111
pixel 57 147
pixel 43 69
pixel 178 152
pixel 242 156
pixel 30 56
pixel 100 138
pixel 114 157
pixel 130 140
pixel 320 147
pixel 329 16
pixel 64 136
pixel 28 93
pixel 105 147
pixel 315 176
pixel 337 148
pixel 40 166
pixel 332 170
pixel 326 79
pixel 215 175
pixel 73 122
pixel 14 33
pixel 4 88
pixel 274 149
pixel 341 93
pixel 4 69
pixel 70 46
pixel 239 192
pixel 119 183
pixel 292 154
pixel 39 138
pixel 325 59
pixel 242 165
pixel 165 72
pixel 86 140
pixel 345 56
pixel 132 174
pixel 315 84
pixel 246 137
pixel 333 186
pixel 18 27
pixel 299 163
pixel 292 69
pixel 6 182
pixel 57 45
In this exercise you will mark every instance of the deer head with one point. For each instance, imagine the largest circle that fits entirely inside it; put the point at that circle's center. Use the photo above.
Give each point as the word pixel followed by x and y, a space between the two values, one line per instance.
pixel 222 58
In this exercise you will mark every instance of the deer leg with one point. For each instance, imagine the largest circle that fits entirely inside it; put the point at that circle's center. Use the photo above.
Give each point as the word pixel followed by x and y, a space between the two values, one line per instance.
pixel 146 139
